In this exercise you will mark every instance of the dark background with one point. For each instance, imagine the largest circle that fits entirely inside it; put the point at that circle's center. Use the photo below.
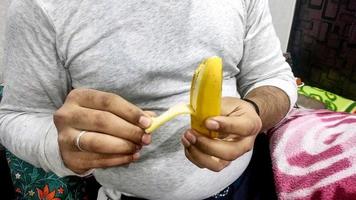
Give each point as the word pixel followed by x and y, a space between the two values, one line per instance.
pixel 323 45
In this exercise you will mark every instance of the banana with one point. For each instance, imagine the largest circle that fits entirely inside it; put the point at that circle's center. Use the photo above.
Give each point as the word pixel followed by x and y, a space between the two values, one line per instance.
pixel 205 98
pixel 205 94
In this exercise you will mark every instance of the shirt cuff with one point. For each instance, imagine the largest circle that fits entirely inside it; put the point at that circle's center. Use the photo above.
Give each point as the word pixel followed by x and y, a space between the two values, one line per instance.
pixel 288 86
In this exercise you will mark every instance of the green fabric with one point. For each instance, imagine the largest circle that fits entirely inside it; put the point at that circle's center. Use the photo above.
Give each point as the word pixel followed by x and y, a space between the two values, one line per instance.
pixel 332 101
pixel 33 183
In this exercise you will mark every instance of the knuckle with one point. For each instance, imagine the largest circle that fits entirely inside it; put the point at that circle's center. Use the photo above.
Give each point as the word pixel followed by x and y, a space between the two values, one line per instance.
pixel 197 164
pixel 252 126
pixel 74 94
pixel 60 117
pixel 127 159
pixel 258 125
pixel 106 100
pixel 227 127
pixel 218 167
pixel 66 115
pixel 231 156
pixel 74 117
pixel 134 114
pixel 136 133
pixel 88 95
pixel 62 139
pixel 130 148
pixel 99 120
pixel 222 164
pixel 248 128
pixel 65 141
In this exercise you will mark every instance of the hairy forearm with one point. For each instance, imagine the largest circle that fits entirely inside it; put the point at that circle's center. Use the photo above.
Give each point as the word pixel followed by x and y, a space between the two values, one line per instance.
pixel 273 104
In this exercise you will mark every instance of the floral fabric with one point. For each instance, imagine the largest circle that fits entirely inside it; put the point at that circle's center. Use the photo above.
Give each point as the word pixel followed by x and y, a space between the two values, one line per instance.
pixel 33 183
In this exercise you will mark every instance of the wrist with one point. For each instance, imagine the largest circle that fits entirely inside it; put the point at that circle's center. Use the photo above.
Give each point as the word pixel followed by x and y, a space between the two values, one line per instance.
pixel 273 104
pixel 254 105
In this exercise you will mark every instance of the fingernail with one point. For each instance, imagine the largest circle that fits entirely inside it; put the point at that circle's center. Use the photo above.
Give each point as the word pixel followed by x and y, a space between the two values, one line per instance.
pixel 136 156
pixel 190 137
pixel 212 125
pixel 144 121
pixel 146 139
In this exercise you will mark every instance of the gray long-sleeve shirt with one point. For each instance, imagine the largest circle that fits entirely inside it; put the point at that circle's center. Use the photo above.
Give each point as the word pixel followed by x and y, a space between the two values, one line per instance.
pixel 146 51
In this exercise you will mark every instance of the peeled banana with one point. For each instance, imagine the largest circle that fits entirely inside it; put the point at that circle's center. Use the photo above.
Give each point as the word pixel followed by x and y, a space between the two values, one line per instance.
pixel 205 98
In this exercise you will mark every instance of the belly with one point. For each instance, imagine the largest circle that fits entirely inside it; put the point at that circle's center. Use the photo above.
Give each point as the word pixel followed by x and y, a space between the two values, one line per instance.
pixel 163 171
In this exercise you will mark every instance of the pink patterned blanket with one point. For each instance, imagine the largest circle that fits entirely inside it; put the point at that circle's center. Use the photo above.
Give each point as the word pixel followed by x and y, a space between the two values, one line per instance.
pixel 314 155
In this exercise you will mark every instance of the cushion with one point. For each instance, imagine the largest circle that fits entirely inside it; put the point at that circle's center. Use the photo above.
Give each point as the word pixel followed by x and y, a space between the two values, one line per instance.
pixel 314 155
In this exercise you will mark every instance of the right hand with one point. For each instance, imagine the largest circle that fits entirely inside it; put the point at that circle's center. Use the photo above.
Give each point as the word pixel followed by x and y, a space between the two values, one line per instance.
pixel 115 130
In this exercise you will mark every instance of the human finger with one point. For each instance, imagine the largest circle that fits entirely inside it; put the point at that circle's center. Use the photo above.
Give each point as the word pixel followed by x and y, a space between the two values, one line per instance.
pixel 203 160
pixel 226 150
pixel 190 158
pixel 240 125
pixel 109 102
pixel 106 144
pixel 88 119
pixel 81 162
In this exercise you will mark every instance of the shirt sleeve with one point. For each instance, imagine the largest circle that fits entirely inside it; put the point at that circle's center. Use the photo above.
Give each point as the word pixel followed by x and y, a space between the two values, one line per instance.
pixel 263 63
pixel 36 84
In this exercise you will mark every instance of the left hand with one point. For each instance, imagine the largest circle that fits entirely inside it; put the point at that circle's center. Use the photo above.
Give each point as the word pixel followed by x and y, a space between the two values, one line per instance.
pixel 238 127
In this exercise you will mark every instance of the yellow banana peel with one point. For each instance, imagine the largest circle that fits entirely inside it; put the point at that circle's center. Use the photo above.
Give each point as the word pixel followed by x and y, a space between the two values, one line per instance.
pixel 205 98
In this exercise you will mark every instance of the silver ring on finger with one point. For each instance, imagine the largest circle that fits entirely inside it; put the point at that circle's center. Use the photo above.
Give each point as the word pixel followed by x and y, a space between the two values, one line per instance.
pixel 77 140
